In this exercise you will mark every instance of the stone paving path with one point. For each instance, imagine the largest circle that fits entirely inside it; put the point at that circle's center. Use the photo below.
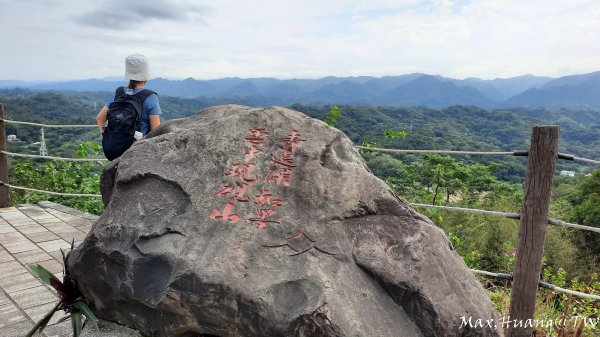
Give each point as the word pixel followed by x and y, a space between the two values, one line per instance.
pixel 35 234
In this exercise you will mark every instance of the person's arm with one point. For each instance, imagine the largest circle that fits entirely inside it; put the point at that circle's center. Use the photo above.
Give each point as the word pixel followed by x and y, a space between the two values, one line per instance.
pixel 101 119
pixel 154 121
pixel 154 111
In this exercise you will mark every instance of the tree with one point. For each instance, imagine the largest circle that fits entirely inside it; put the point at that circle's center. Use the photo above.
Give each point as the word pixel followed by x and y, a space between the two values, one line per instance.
pixel 587 212
pixel 332 115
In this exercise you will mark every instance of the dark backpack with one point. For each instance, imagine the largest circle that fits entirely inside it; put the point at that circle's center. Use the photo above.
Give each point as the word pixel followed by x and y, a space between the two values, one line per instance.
pixel 123 118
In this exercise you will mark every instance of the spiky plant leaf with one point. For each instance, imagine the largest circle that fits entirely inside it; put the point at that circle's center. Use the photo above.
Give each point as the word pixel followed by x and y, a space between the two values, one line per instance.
pixel 76 323
pixel 64 256
pixel 83 307
pixel 43 274
pixel 60 320
pixel 39 326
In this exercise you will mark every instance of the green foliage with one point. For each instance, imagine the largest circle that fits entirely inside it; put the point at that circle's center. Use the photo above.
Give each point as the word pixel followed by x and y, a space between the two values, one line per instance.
pixel 333 115
pixel 61 176
pixel 585 210
pixel 50 108
pixel 70 299
pixel 433 178
pixel 391 135
pixel 559 306
pixel 472 128
pixel 493 251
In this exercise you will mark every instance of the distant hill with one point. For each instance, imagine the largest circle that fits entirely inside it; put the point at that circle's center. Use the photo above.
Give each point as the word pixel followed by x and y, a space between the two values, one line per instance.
pixel 434 92
pixel 501 89
pixel 395 91
pixel 568 90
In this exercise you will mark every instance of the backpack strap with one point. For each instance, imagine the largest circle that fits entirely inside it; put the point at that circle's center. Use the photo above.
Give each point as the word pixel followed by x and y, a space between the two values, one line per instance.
pixel 119 92
pixel 142 95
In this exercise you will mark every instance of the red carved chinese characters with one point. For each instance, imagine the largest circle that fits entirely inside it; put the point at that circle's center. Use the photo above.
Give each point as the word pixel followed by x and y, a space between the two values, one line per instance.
pixel 292 141
pixel 265 197
pixel 242 190
pixel 256 140
pixel 245 179
pixel 261 219
pixel 237 192
pixel 242 171
pixel 281 173
pixel 226 214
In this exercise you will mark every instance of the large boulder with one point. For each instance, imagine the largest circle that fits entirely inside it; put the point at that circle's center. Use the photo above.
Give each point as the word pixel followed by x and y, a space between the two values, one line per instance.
pixel 262 222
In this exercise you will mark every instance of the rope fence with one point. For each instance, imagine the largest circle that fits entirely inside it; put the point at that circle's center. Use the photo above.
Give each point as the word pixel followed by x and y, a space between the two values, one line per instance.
pixel 50 192
pixel 454 152
pixel 508 215
pixel 484 153
pixel 585 160
pixel 53 158
pixel 47 125
pixel 481 153
pixel 541 284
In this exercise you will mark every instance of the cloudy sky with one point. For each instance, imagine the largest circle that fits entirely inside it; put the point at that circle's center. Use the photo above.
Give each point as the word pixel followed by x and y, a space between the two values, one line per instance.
pixel 69 39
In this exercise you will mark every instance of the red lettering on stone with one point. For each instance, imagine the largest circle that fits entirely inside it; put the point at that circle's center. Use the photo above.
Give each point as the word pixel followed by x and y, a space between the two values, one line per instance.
pixel 256 140
pixel 265 197
pixel 280 175
pixel 251 152
pixel 285 161
pixel 293 140
pixel 226 214
pixel 243 171
pixel 261 220
pixel 237 192
pixel 257 136
pixel 224 191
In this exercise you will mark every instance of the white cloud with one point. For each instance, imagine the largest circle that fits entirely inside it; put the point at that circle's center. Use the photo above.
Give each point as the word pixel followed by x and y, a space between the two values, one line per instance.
pixel 128 15
pixel 310 38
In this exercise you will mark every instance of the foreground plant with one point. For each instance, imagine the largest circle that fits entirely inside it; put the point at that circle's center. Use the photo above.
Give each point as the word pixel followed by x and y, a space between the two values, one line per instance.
pixel 71 300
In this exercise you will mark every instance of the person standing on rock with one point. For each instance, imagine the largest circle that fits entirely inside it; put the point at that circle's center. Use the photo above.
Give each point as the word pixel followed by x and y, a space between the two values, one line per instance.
pixel 132 112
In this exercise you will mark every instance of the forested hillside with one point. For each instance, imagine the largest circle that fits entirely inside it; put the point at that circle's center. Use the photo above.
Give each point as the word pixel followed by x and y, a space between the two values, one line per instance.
pixel 452 128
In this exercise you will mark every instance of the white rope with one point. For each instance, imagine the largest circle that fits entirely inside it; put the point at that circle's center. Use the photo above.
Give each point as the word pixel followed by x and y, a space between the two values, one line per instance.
pixel 462 209
pixel 51 157
pixel 509 215
pixel 436 151
pixel 50 192
pixel 48 125
pixel 541 284
pixel 590 161
pixel 569 291
pixel 573 225
pixel 484 153
pixel 496 275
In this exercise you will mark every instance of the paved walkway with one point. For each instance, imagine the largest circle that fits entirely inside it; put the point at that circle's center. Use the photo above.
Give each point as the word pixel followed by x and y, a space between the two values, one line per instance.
pixel 35 234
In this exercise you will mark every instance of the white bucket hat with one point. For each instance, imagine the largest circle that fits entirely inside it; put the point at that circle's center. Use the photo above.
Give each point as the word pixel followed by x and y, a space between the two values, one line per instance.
pixel 136 68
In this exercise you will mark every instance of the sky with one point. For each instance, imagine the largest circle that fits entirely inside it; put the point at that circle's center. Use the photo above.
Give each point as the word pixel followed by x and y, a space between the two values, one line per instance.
pixel 69 39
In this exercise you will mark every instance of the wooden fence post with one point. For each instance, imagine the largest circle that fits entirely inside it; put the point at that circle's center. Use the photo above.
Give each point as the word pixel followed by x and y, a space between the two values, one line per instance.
pixel 4 194
pixel 534 218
